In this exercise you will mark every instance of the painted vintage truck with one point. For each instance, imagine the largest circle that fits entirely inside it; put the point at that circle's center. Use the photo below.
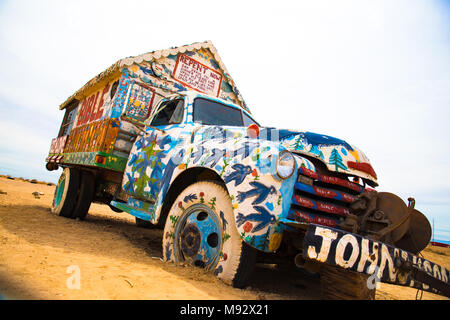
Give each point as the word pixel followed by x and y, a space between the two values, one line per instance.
pixel 167 137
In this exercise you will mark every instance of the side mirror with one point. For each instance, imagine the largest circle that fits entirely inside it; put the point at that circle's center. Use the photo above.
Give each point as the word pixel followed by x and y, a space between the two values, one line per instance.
pixel 253 131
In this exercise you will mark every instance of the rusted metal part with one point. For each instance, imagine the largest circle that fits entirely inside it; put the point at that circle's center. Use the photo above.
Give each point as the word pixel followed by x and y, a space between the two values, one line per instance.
pixel 350 223
pixel 309 265
pixel 381 216
pixel 363 207
pixel 406 267
pixel 401 221
pixel 379 260
pixel 418 235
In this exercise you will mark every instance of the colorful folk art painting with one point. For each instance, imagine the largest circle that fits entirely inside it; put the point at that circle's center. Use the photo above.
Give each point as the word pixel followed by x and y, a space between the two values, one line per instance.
pixel 192 70
pixel 95 106
pixel 140 102
pixel 246 165
pixel 335 153
pixel 257 194
pixel 138 89
pixel 95 136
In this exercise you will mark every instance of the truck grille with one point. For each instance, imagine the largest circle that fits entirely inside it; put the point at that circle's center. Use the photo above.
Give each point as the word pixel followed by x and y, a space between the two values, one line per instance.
pixel 322 199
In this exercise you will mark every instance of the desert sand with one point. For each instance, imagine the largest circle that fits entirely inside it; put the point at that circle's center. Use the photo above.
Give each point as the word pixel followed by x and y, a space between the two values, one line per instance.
pixel 39 252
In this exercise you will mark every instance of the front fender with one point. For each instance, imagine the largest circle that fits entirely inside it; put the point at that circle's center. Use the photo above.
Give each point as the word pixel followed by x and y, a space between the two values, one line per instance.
pixel 246 166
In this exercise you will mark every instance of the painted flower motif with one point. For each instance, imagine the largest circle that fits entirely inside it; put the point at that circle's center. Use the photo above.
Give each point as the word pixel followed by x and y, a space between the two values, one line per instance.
pixel 180 204
pixel 235 206
pixel 202 194
pixel 225 257
pixel 248 226
pixel 182 166
pixel 254 173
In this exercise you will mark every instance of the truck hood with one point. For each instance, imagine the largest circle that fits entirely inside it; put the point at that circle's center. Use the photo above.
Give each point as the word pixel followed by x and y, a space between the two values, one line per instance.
pixel 336 154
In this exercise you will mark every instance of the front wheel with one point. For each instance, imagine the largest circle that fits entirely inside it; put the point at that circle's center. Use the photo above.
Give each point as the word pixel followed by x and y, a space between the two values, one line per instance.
pixel 200 230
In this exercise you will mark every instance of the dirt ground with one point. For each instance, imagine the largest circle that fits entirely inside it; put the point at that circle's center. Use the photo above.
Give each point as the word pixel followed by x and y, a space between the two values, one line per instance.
pixel 39 252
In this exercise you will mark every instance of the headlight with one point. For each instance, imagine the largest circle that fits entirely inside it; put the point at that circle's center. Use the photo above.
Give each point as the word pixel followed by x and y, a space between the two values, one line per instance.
pixel 285 164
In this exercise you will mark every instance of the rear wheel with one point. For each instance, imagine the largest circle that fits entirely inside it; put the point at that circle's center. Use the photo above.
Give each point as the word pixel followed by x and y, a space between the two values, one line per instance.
pixel 200 230
pixel 66 192
pixel 341 284
pixel 85 195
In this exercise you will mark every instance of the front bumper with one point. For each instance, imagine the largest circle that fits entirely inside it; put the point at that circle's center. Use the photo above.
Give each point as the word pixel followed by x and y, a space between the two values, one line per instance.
pixel 382 262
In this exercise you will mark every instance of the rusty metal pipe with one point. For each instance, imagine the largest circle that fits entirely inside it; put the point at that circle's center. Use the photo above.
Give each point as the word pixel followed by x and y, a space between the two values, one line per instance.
pixel 299 261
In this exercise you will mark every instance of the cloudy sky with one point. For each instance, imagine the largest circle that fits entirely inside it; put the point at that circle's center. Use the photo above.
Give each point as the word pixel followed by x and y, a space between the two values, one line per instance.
pixel 374 73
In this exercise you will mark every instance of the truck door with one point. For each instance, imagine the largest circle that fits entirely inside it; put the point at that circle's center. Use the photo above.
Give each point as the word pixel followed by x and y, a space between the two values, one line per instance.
pixel 155 155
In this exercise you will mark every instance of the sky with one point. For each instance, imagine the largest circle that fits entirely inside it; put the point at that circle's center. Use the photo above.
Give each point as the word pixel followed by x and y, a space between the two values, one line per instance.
pixel 374 73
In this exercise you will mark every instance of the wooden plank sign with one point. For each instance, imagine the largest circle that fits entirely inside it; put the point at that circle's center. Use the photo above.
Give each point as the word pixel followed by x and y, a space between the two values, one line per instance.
pixel 197 76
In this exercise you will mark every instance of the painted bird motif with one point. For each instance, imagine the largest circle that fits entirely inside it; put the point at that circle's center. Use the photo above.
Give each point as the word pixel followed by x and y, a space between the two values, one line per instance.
pixel 239 174
pixel 245 150
pixel 263 218
pixel 224 221
pixel 198 154
pixel 259 190
pixel 129 185
pixel 190 197
pixel 215 133
pixel 174 161
pixel 216 155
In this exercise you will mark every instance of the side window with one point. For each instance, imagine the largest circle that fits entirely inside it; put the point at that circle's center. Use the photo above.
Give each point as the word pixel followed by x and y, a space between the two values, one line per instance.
pixel 247 120
pixel 171 112
pixel 69 117
pixel 214 113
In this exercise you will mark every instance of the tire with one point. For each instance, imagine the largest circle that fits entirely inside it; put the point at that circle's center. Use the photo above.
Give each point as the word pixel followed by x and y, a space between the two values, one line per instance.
pixel 66 193
pixel 341 284
pixel 85 195
pixel 200 230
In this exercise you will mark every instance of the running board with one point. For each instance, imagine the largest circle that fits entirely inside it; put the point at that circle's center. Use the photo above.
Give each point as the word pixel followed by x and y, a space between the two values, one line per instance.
pixel 140 209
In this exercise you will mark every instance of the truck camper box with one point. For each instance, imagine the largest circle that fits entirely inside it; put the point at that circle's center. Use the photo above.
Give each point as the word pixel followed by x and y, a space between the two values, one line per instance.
pixel 92 133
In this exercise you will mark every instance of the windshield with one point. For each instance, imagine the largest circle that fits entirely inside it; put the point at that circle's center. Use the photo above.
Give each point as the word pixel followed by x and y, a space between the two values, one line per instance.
pixel 210 112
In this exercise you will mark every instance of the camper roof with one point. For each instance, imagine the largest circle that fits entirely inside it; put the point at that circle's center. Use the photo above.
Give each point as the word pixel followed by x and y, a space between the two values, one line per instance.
pixel 115 70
